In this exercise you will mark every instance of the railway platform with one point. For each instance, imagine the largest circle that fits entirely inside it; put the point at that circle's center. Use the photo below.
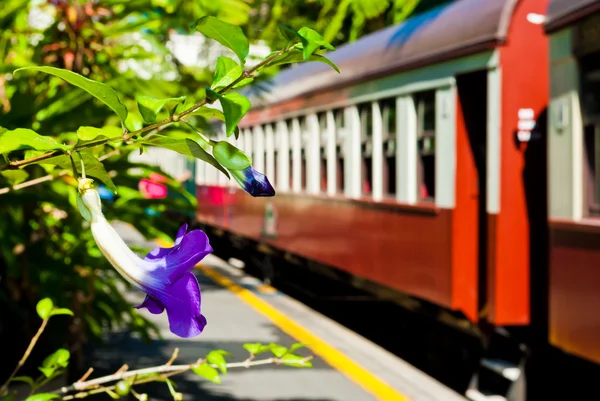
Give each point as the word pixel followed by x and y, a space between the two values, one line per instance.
pixel 241 309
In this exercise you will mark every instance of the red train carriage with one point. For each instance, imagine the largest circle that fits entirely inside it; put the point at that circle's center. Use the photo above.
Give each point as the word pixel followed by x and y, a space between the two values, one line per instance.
pixel 422 168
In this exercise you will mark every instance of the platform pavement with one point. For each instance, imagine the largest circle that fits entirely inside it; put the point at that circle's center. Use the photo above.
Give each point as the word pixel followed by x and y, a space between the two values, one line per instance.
pixel 233 322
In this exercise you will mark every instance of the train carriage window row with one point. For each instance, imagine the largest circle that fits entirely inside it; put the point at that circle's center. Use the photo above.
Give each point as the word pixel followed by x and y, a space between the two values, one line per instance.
pixel 351 152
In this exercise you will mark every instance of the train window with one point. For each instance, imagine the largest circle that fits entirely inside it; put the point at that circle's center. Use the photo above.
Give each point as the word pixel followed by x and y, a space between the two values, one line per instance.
pixel 425 107
pixel 592 153
pixel 366 139
pixel 304 135
pixel 339 150
pixel 388 109
pixel 590 104
pixel 322 118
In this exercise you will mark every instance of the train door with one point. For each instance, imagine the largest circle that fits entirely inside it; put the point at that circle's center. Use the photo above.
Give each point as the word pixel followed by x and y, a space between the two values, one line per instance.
pixel 472 98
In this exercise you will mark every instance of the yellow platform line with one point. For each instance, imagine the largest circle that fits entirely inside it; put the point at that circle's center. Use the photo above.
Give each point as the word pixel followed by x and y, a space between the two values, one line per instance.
pixel 342 363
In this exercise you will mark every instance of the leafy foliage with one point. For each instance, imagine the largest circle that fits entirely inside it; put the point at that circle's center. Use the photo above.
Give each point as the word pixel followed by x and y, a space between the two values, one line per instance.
pixel 81 90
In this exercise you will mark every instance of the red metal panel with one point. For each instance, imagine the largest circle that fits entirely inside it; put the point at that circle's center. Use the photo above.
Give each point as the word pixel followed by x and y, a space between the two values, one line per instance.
pixel 525 77
pixel 575 288
pixel 464 224
pixel 405 248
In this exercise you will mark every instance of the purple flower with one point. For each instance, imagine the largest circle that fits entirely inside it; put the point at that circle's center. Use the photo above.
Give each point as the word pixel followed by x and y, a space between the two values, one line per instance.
pixel 164 274
pixel 173 286
pixel 253 182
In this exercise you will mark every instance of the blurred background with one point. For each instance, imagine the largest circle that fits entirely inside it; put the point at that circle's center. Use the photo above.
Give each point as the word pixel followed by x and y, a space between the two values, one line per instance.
pixel 439 196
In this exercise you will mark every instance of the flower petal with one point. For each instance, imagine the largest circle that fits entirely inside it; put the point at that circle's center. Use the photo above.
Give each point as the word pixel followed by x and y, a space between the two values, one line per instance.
pixel 182 302
pixel 160 253
pixel 153 305
pixel 193 248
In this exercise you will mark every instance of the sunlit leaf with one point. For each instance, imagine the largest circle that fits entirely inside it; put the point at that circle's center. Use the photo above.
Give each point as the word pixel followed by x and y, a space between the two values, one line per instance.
pixel 93 167
pixel 15 177
pixel 61 311
pixel 256 348
pixel 22 138
pixel 278 350
pixel 150 107
pixel 226 72
pixel 209 113
pixel 100 91
pixel 217 358
pixel 230 157
pixel 297 56
pixel 312 41
pixel 42 397
pixel 60 358
pixel 230 36
pixel 185 146
pixel 44 308
pixel 295 360
pixel 296 346
pixel 235 107
pixel 199 153
pixel 208 372
pixel 88 134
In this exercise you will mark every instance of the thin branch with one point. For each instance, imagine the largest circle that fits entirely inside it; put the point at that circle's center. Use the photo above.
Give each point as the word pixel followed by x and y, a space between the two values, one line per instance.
pixel 23 359
pixel 128 135
pixel 80 386
pixel 48 177
pixel 173 357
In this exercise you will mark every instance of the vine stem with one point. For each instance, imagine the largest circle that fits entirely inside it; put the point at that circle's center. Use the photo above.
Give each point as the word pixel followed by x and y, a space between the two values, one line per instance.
pixel 166 368
pixel 128 135
pixel 48 177
pixel 23 359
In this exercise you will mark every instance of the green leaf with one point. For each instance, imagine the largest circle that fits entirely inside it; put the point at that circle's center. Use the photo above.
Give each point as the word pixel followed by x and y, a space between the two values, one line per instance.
pixel 278 350
pixel 209 113
pixel 47 371
pixel 42 397
pixel 199 153
pixel 226 72
pixel 235 107
pixel 100 91
pixel 150 107
pixel 60 358
pixel 44 308
pixel 256 348
pixel 61 311
pixel 134 122
pixel 312 41
pixel 208 372
pixel 230 157
pixel 25 379
pixel 289 33
pixel 296 346
pixel 93 167
pixel 295 360
pixel 15 177
pixel 22 138
pixel 185 146
pixel 230 36
pixel 89 134
pixel 217 357
pixel 296 56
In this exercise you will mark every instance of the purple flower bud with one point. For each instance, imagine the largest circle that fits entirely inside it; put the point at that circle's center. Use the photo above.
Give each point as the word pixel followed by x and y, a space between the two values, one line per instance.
pixel 253 182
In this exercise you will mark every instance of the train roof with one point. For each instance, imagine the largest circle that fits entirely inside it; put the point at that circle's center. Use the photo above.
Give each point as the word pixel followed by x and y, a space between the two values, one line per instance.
pixel 455 29
pixel 564 12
